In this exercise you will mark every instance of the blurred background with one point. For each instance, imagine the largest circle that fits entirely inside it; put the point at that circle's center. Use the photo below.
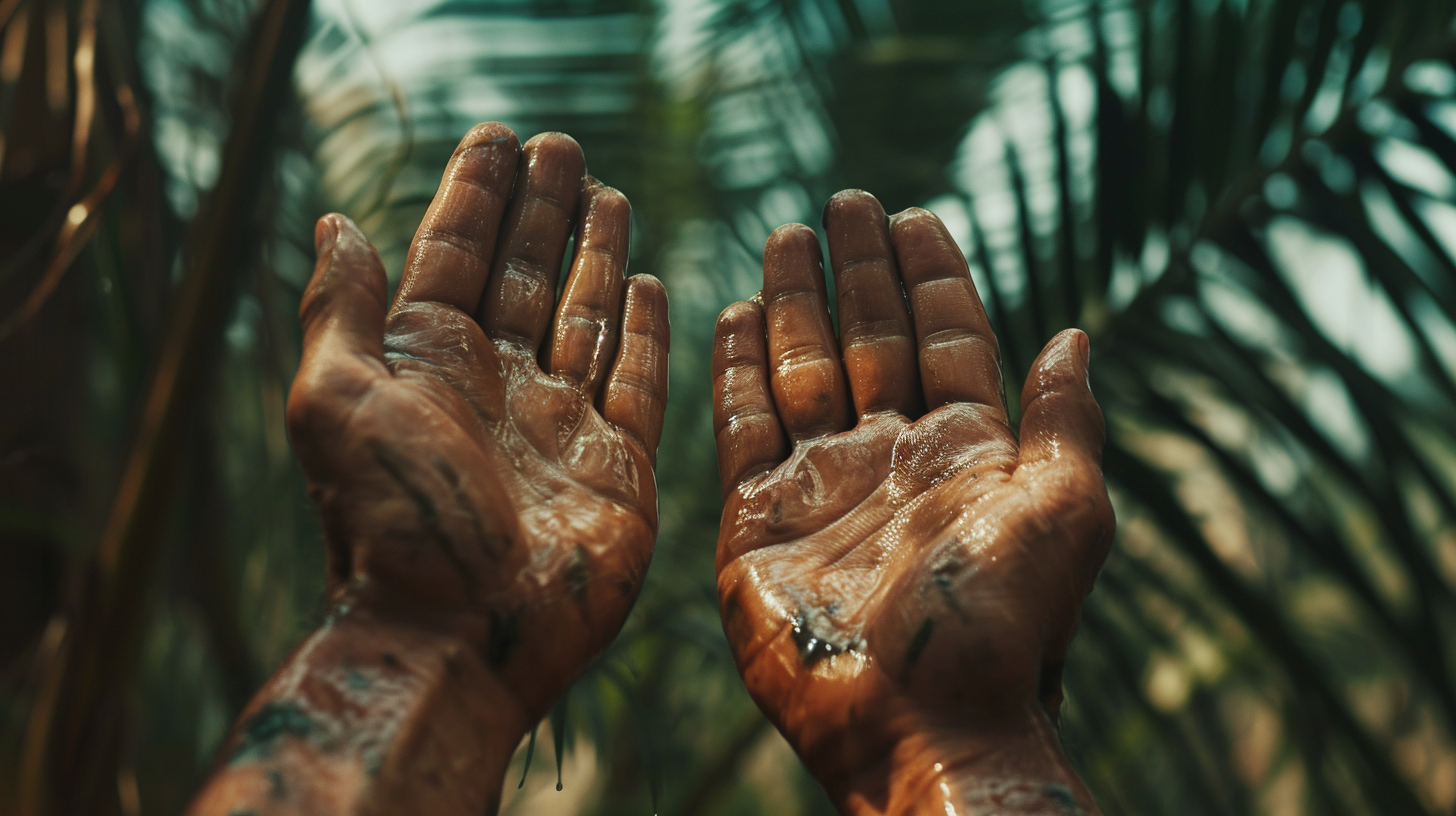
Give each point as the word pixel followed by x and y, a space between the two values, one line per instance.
pixel 1248 204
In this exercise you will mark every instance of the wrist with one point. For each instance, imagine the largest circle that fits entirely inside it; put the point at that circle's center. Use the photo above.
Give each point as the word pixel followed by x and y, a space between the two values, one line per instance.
pixel 1015 767
pixel 371 716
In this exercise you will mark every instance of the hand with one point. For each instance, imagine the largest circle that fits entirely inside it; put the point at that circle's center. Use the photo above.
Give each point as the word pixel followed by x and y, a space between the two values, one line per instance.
pixel 899 576
pixel 482 456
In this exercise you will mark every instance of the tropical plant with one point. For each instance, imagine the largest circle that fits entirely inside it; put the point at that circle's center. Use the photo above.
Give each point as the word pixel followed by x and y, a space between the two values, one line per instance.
pixel 1248 204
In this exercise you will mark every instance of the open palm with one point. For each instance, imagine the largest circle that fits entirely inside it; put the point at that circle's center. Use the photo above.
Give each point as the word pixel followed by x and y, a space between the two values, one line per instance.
pixel 483 458
pixel 892 561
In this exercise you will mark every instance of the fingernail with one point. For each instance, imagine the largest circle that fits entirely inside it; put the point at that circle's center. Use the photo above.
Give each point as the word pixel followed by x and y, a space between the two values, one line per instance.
pixel 324 233
pixel 1084 348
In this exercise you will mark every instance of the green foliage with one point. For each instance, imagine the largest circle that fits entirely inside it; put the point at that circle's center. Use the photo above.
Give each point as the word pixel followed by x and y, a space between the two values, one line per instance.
pixel 1248 204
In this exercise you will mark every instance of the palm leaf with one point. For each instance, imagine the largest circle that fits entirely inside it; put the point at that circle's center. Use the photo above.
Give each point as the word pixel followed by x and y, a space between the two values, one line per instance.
pixel 1223 300
pixel 1247 203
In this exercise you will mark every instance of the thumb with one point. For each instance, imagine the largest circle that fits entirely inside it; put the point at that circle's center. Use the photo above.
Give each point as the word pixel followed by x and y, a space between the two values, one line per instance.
pixel 343 307
pixel 342 313
pixel 1059 417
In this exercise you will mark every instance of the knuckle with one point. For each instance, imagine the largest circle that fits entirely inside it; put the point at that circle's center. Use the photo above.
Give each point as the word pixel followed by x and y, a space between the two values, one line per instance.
pixel 323 398
pixel 558 201
pixel 603 252
pixel 863 274
pixel 874 332
pixel 745 414
pixel 451 239
pixel 960 341
pixel 638 383
pixel 808 366
pixel 306 411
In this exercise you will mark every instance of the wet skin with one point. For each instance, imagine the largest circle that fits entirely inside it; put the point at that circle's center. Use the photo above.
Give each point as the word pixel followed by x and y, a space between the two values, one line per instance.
pixel 482 457
pixel 899 572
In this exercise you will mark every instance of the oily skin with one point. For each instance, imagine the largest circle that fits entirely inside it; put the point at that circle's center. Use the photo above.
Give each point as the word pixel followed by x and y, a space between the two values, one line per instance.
pixel 482 457
pixel 900 573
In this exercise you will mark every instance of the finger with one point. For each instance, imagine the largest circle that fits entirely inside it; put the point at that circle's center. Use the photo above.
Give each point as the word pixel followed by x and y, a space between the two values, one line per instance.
pixel 750 437
pixel 636 393
pixel 449 259
pixel 587 323
pixel 1059 417
pixel 806 373
pixel 521 293
pixel 875 332
pixel 959 358
pixel 342 314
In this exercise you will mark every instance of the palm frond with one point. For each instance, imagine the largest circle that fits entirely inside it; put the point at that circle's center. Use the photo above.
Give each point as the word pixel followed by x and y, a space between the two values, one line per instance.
pixel 1276 399
pixel 1247 203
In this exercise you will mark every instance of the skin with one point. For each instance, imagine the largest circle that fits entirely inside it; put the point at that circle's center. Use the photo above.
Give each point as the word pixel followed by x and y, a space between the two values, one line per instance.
pixel 482 458
pixel 899 572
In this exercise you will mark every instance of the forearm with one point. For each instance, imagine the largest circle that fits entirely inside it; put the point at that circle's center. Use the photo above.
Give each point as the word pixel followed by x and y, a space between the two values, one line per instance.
pixel 1015 770
pixel 370 717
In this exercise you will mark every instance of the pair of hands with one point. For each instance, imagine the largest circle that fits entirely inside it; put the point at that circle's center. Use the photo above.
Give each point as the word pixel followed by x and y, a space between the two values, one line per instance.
pixel 899 575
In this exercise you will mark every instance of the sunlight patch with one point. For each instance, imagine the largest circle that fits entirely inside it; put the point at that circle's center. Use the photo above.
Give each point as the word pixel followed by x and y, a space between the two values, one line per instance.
pixel 1330 281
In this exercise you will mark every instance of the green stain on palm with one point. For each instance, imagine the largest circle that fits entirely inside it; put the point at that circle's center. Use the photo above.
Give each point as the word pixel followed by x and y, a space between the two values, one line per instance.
pixel 578 572
pixel 1062 795
pixel 918 642
pixel 373 761
pixel 263 730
